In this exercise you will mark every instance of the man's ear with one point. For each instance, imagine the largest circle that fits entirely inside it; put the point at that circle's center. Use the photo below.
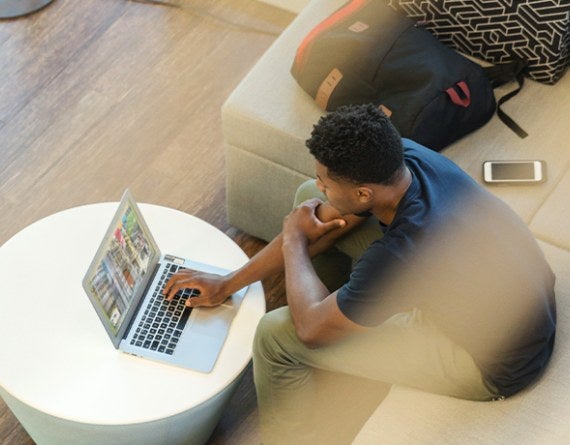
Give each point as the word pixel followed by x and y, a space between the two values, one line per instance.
pixel 365 194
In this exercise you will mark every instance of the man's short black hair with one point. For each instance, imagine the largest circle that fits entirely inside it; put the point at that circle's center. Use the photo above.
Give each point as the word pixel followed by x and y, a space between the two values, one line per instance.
pixel 359 144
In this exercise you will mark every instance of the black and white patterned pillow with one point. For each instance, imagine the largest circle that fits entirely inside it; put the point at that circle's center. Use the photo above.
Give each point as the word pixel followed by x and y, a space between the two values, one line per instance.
pixel 537 31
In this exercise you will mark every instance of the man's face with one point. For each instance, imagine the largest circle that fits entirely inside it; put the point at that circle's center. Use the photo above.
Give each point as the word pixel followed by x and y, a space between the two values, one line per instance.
pixel 342 195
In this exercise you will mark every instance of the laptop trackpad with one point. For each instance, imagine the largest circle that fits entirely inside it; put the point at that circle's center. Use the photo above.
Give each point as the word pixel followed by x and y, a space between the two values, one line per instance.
pixel 211 321
pixel 198 351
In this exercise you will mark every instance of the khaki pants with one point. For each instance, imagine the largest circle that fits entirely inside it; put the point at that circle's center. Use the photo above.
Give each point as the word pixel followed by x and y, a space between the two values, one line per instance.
pixel 407 349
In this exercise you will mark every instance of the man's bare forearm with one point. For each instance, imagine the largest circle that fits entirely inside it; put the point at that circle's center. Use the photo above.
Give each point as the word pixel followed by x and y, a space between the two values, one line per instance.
pixel 270 259
pixel 267 262
pixel 304 288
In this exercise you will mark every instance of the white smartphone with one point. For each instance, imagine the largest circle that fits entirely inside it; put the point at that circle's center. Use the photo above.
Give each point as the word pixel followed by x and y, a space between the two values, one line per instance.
pixel 514 172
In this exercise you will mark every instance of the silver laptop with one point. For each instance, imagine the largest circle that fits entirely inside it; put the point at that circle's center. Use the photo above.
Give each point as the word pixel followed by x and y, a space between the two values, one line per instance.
pixel 124 283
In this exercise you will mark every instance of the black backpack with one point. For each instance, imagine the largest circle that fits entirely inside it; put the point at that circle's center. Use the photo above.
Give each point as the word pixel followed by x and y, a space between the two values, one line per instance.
pixel 365 52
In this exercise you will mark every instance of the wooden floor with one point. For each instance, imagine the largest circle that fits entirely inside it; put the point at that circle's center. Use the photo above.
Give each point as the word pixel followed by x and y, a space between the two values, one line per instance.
pixel 88 87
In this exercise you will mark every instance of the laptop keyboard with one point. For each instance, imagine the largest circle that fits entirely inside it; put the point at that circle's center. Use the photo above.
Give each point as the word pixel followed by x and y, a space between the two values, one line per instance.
pixel 163 321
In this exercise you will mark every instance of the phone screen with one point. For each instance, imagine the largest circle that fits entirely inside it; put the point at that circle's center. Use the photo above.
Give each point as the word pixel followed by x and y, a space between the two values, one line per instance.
pixel 518 170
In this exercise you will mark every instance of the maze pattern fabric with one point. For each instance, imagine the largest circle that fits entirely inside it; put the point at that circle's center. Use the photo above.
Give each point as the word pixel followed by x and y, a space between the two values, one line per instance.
pixel 537 31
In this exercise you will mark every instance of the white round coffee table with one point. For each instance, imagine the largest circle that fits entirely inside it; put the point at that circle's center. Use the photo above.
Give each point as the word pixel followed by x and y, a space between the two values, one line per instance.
pixel 17 8
pixel 61 375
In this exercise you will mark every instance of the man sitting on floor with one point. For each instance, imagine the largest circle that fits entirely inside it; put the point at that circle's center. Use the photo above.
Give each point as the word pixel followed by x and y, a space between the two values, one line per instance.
pixel 419 277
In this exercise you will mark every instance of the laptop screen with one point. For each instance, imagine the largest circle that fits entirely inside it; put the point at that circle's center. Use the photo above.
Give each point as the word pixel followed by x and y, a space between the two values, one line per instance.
pixel 122 267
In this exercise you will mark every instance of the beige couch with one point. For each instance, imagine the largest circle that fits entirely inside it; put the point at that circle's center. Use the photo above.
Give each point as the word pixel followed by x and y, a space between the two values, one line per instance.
pixel 266 121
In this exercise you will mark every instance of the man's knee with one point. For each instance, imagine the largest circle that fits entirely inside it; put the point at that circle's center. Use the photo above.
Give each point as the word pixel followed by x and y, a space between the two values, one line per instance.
pixel 308 190
pixel 274 330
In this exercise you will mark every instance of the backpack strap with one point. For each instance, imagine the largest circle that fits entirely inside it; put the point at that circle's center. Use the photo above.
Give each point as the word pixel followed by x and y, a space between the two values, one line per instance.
pixel 499 75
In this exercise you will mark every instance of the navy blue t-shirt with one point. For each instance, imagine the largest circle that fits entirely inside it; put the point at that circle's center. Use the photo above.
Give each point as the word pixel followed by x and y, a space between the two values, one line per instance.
pixel 464 258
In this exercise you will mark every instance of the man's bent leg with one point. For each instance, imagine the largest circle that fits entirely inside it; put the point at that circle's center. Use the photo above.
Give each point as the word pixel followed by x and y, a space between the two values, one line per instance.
pixel 285 387
pixel 406 350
